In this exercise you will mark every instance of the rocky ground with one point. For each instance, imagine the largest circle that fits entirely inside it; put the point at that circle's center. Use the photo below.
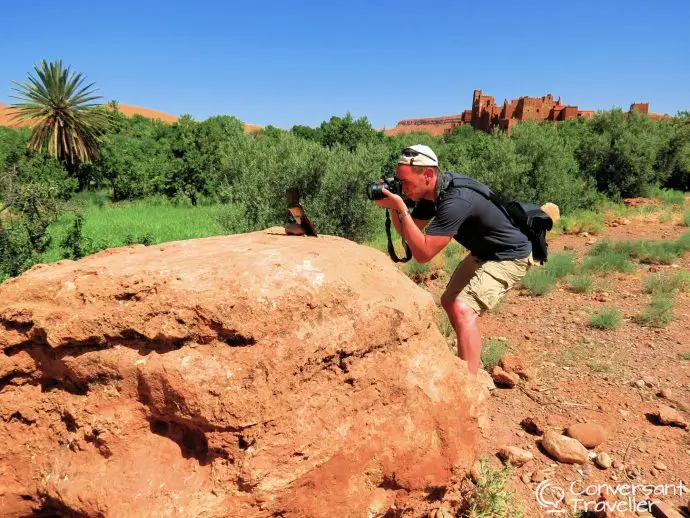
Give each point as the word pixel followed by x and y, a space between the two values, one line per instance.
pixel 610 384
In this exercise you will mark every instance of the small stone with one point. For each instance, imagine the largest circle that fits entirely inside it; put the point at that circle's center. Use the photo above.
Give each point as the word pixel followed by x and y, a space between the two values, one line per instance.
pixel 476 472
pixel 639 383
pixel 653 472
pixel 650 381
pixel 503 378
pixel 660 466
pixel 533 425
pixel 671 417
pixel 589 435
pixel 666 393
pixel 616 464
pixel 564 449
pixel 514 455
pixel 603 460
pixel 526 477
pixel 539 475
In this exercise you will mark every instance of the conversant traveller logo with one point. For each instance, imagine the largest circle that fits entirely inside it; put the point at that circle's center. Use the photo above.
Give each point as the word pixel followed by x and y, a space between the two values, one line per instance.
pixel 580 497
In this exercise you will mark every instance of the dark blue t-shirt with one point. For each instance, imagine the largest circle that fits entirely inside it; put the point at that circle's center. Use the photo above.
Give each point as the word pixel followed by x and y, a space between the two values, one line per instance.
pixel 474 221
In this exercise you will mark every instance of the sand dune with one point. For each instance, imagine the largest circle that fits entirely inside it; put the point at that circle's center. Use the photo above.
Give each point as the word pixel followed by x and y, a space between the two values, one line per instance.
pixel 129 110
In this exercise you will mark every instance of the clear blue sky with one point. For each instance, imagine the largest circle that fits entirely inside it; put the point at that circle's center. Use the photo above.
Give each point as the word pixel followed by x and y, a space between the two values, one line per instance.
pixel 298 62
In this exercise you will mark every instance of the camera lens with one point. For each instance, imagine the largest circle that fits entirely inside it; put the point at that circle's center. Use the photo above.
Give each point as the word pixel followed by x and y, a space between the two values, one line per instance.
pixel 374 191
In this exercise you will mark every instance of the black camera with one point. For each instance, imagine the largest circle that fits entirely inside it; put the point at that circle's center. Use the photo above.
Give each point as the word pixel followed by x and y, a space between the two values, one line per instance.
pixel 389 182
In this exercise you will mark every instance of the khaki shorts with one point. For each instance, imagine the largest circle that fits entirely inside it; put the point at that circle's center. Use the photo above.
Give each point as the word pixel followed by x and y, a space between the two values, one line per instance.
pixel 482 284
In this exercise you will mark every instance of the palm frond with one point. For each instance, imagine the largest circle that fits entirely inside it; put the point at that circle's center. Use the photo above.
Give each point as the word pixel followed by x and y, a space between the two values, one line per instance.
pixel 66 123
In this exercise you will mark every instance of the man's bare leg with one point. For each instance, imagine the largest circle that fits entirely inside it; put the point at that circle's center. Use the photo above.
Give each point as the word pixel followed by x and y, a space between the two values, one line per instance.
pixel 464 321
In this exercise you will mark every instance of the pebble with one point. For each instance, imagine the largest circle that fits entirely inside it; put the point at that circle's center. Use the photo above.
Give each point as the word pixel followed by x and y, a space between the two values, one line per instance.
pixel 603 460
pixel 616 464
pixel 660 466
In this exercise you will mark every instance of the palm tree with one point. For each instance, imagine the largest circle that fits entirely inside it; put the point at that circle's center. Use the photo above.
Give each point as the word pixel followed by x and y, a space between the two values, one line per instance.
pixel 64 121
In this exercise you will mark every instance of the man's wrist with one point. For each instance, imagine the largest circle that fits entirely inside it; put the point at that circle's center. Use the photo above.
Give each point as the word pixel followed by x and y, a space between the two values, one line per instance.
pixel 402 214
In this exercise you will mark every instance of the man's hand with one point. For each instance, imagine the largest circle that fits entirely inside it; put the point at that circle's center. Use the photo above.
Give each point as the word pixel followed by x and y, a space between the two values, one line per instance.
pixel 391 201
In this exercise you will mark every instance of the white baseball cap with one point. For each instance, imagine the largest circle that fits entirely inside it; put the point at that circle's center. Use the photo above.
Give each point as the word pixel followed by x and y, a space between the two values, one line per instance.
pixel 418 155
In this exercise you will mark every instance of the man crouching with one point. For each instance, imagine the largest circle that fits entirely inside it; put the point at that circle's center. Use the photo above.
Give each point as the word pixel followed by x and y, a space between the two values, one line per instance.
pixel 499 253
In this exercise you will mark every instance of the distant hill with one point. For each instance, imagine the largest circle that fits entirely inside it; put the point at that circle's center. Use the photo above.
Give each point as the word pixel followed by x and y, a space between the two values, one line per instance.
pixel 126 109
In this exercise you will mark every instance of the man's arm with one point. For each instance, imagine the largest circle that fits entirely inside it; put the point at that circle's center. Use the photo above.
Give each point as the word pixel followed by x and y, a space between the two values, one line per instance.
pixel 423 246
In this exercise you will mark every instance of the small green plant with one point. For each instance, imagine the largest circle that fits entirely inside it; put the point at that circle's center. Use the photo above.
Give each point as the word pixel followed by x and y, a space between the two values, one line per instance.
pixel 76 245
pixel 491 496
pixel 607 261
pixel 492 350
pixel 665 217
pixel 669 196
pixel 580 221
pixel 666 283
pixel 561 264
pixel 685 219
pixel 685 356
pixel 417 271
pixel 581 283
pixel 606 318
pixel 600 366
pixel 539 281
pixel 658 313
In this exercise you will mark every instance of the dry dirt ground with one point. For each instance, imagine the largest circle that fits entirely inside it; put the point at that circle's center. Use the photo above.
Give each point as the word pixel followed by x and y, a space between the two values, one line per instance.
pixel 590 375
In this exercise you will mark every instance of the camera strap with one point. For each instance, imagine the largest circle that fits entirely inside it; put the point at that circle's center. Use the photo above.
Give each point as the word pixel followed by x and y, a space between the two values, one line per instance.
pixel 391 248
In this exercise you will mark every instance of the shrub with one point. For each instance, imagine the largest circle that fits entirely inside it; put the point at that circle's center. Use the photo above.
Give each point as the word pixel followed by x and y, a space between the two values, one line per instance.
pixel 492 350
pixel 658 313
pixel 539 281
pixel 666 284
pixel 560 264
pixel 580 221
pixel 606 261
pixel 606 318
pixel 581 283
pixel 685 220
pixel 491 497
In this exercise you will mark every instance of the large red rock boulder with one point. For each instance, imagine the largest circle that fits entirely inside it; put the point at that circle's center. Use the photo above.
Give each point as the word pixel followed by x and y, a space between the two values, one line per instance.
pixel 250 375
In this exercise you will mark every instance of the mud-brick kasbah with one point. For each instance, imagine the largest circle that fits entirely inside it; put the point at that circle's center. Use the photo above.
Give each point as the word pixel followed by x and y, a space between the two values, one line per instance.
pixel 486 114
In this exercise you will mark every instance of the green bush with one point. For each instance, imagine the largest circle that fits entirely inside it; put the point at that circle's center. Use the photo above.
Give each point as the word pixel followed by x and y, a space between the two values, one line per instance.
pixel 606 318
pixel 492 350
pixel 659 313
pixel 560 264
pixel 605 261
pixel 581 283
pixel 539 281
pixel 665 283
pixel 621 152
pixel 580 221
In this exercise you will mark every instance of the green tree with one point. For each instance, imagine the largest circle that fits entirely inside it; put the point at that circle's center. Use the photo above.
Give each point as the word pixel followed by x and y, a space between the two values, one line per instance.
pixel 64 120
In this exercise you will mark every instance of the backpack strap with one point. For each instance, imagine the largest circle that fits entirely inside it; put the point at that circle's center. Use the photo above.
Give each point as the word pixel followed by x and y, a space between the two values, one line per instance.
pixel 459 180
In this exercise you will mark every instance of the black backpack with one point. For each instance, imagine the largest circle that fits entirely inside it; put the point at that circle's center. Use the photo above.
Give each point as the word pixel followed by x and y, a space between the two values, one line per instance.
pixel 527 217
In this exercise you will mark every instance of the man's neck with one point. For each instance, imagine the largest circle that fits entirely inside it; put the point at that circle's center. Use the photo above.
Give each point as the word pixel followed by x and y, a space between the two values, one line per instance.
pixel 433 187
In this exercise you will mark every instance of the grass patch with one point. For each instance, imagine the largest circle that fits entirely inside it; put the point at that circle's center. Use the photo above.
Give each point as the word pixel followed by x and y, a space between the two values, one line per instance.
pixel 580 221
pixel 581 283
pixel 606 318
pixel 152 220
pixel 665 217
pixel 606 261
pixel 539 281
pixel 491 496
pixel 666 283
pixel 685 219
pixel 600 366
pixel 561 264
pixel 492 350
pixel 669 196
pixel 685 356
pixel 658 313
pixel 651 252
pixel 418 272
